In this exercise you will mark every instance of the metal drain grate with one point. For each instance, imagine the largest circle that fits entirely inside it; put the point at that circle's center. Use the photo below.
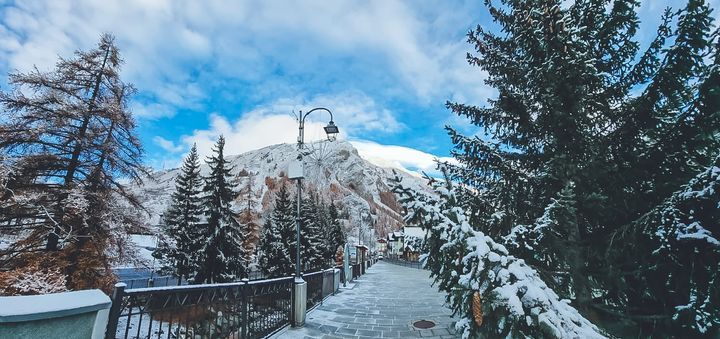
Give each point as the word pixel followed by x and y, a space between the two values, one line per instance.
pixel 423 324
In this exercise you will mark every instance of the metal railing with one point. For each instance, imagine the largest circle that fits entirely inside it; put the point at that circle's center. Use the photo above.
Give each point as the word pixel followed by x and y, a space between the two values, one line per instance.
pixel 247 309
pixel 413 264
pixel 170 280
pixel 342 274
pixel 314 288
pixel 154 282
pixel 328 283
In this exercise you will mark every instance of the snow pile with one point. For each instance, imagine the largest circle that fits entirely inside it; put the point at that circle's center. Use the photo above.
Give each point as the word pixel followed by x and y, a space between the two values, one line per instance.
pixel 515 301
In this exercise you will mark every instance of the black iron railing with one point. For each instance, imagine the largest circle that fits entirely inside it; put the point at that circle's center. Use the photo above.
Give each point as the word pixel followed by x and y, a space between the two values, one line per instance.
pixel 169 280
pixel 342 274
pixel 248 309
pixel 328 282
pixel 314 288
pixel 161 281
pixel 320 285
pixel 413 264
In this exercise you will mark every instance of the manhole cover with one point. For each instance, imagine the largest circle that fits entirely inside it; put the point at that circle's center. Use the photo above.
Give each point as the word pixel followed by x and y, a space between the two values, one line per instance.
pixel 423 324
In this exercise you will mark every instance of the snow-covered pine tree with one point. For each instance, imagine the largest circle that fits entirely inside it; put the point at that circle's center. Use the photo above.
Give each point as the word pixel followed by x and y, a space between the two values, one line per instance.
pixel 220 256
pixel 682 276
pixel 285 222
pixel 334 234
pixel 495 294
pixel 269 249
pixel 276 241
pixel 249 231
pixel 414 244
pixel 323 220
pixel 312 246
pixel 249 218
pixel 69 137
pixel 579 102
pixel 179 249
pixel 552 242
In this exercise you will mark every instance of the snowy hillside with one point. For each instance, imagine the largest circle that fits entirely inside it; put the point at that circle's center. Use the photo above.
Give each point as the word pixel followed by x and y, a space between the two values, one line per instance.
pixel 334 169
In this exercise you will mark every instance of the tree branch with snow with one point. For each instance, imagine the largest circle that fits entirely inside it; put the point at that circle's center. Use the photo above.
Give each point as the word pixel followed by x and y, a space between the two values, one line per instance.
pixel 514 301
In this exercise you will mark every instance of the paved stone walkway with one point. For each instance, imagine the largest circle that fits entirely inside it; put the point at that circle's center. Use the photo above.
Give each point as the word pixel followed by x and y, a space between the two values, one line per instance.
pixel 383 304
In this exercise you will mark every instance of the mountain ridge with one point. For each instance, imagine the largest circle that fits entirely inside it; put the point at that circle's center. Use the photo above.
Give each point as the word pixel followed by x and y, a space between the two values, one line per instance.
pixel 333 169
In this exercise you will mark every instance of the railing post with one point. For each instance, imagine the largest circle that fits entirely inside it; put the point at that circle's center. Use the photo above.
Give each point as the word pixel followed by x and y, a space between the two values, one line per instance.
pixel 115 309
pixel 244 291
pixel 299 301
pixel 322 287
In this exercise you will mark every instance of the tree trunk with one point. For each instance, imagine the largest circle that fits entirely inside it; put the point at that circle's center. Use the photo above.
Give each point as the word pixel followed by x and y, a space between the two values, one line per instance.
pixel 52 243
pixel 576 261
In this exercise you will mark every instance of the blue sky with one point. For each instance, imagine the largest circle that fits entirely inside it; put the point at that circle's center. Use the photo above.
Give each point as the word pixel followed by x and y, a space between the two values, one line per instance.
pixel 240 68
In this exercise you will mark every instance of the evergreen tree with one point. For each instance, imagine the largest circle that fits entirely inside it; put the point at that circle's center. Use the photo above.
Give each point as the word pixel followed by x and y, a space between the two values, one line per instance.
pixel 180 249
pixel 248 199
pixel 683 269
pixel 553 238
pixel 285 220
pixel 69 137
pixel 495 294
pixel 323 220
pixel 220 255
pixel 587 134
pixel 312 246
pixel 334 235
pixel 269 250
pixel 275 243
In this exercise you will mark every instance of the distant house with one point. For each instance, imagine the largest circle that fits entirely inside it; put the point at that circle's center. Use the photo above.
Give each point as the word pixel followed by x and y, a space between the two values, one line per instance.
pixel 381 245
pixel 405 243
pixel 395 243
pixel 414 236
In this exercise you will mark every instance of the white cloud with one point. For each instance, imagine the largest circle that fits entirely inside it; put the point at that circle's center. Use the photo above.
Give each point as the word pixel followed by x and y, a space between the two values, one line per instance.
pixel 167 145
pixel 151 110
pixel 400 157
pixel 353 112
pixel 261 128
pixel 251 132
pixel 167 44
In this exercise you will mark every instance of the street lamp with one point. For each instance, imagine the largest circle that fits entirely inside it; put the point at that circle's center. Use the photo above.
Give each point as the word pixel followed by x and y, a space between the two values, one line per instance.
pixel 296 172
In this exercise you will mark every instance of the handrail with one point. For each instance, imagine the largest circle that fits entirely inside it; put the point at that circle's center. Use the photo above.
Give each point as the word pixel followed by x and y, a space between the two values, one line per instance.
pixel 252 309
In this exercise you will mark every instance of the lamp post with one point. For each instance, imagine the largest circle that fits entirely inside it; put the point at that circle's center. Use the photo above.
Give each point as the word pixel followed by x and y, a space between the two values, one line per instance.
pixel 296 172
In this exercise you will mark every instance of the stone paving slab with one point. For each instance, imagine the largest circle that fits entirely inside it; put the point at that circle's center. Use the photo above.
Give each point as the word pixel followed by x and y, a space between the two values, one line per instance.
pixel 383 304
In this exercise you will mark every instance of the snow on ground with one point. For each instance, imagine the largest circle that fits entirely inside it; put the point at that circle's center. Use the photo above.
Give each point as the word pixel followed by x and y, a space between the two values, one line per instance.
pixel 145 245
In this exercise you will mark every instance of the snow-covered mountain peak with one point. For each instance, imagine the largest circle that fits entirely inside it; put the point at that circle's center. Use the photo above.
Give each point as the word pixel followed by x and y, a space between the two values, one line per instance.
pixel 334 169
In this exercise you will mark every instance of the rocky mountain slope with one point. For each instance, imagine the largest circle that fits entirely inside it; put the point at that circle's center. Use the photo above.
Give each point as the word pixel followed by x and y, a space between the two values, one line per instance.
pixel 334 169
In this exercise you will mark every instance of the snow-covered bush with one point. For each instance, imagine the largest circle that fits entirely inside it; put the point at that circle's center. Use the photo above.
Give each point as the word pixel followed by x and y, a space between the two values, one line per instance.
pixel 31 280
pixel 515 302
